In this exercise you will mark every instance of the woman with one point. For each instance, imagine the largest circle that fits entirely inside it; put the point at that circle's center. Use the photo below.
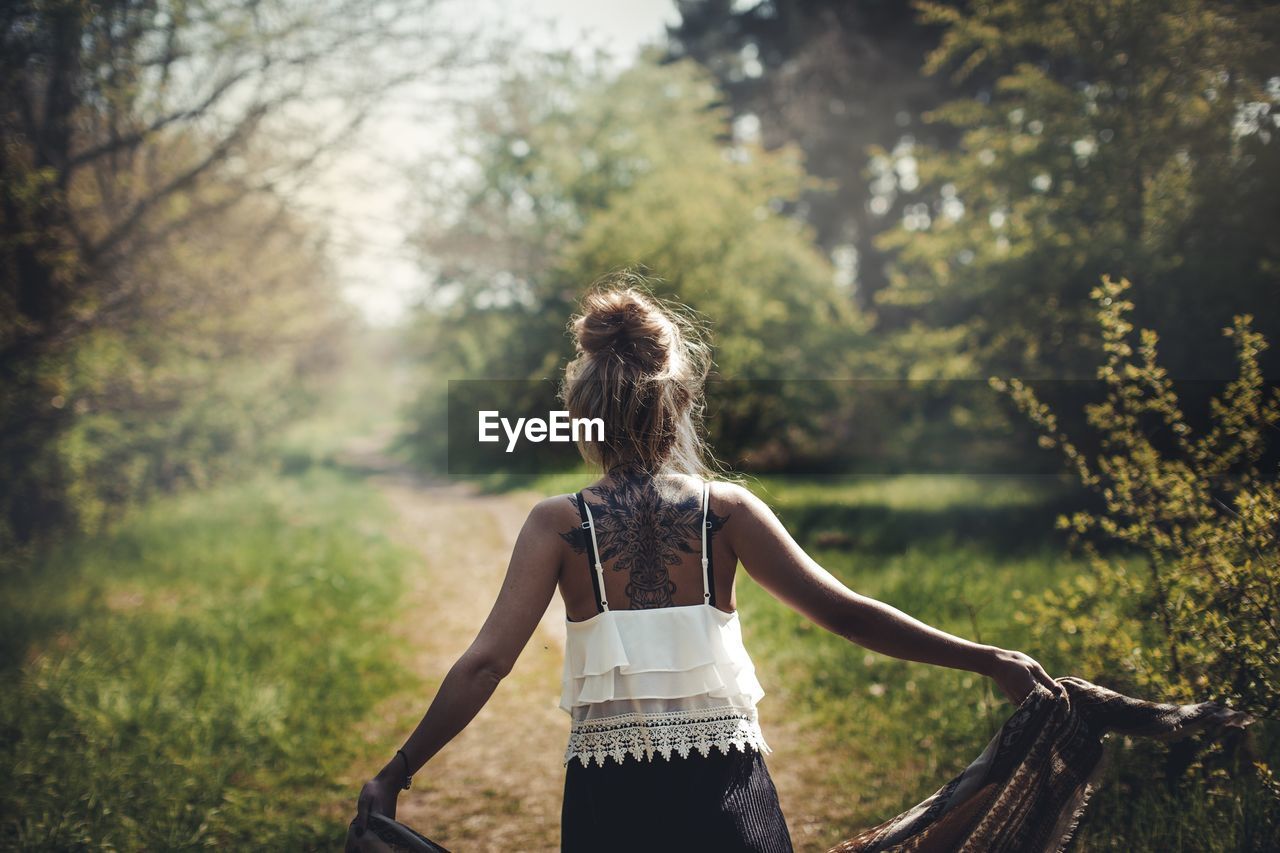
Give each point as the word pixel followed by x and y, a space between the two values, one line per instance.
pixel 665 747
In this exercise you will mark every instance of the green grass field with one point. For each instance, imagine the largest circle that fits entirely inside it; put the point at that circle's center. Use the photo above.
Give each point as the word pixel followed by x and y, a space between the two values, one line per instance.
pixel 187 681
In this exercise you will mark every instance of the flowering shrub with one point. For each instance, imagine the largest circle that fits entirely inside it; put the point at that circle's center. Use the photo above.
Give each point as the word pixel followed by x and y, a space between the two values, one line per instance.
pixel 1199 618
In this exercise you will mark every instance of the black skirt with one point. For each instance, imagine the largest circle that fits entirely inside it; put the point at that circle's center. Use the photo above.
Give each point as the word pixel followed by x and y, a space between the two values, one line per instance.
pixel 718 802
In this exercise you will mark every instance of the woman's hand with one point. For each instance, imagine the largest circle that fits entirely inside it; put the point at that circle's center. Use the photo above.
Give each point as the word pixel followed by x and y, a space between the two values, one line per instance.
pixel 378 796
pixel 1017 674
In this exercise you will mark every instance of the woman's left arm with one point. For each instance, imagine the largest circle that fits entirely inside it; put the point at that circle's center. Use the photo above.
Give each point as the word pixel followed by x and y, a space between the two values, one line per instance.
pixel 530 582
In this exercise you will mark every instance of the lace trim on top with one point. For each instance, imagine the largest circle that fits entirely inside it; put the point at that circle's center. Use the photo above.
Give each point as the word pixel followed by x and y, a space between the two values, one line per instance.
pixel 644 735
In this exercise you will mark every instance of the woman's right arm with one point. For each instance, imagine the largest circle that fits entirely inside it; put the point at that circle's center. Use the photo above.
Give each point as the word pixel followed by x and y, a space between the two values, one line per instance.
pixel 777 562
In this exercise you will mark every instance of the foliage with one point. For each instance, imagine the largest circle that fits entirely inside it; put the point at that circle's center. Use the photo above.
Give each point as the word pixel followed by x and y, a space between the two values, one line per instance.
pixel 163 304
pixel 1198 615
pixel 183 392
pixel 580 174
pixel 833 77
pixel 185 681
pixel 1135 138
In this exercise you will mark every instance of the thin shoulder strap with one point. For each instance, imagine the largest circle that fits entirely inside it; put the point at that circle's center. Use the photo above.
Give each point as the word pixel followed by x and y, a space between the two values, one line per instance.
pixel 593 554
pixel 708 586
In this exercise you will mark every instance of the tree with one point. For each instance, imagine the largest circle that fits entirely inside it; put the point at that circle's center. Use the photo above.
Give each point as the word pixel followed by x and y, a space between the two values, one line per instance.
pixel 834 78
pixel 1135 139
pixel 129 128
pixel 580 174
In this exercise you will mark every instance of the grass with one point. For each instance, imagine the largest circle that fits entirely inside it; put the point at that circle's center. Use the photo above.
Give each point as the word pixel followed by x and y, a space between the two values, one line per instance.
pixel 190 680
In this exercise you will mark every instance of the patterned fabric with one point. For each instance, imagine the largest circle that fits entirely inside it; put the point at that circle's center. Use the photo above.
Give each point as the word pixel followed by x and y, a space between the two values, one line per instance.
pixel 385 835
pixel 1028 789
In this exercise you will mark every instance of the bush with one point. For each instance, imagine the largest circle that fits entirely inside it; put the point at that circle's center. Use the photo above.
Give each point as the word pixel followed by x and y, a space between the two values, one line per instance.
pixel 1192 610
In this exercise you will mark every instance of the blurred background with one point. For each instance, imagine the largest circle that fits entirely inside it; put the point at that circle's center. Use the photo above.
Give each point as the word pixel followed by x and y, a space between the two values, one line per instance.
pixel 993 293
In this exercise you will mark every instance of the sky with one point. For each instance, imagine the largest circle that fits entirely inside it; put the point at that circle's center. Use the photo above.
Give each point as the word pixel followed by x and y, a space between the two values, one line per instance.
pixel 362 194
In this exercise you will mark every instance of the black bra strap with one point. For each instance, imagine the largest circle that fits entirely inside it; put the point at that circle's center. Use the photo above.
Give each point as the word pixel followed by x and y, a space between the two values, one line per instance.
pixel 591 554
pixel 711 576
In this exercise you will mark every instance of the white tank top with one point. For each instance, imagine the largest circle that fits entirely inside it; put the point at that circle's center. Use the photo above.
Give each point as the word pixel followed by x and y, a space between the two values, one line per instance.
pixel 660 680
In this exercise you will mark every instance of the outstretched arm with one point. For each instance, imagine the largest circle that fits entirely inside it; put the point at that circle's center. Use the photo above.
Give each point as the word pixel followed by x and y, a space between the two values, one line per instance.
pixel 778 563
pixel 522 601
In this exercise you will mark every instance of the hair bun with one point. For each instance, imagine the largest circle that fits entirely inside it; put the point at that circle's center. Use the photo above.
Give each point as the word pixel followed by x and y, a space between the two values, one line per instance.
pixel 626 323
pixel 640 366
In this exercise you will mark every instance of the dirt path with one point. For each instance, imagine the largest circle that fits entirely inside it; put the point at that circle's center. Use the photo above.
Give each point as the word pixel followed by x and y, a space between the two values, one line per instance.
pixel 498 785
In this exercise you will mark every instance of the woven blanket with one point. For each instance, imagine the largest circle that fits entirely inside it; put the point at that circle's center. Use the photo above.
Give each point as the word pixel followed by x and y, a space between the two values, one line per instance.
pixel 1028 789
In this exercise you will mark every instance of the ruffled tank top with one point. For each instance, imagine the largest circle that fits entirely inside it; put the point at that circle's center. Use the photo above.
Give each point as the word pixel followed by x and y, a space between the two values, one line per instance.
pixel 657 681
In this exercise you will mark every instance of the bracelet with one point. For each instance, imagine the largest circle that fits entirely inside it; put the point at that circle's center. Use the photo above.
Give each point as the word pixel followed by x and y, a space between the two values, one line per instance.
pixel 408 777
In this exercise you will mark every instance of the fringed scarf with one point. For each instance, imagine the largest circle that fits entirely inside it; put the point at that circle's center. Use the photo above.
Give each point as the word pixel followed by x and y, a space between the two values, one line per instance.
pixel 1028 789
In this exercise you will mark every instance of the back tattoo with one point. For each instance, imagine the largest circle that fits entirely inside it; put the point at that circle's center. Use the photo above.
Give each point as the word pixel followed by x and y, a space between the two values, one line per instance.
pixel 645 534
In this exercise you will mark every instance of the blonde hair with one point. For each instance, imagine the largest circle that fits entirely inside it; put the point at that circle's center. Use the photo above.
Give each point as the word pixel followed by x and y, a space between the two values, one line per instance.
pixel 640 366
